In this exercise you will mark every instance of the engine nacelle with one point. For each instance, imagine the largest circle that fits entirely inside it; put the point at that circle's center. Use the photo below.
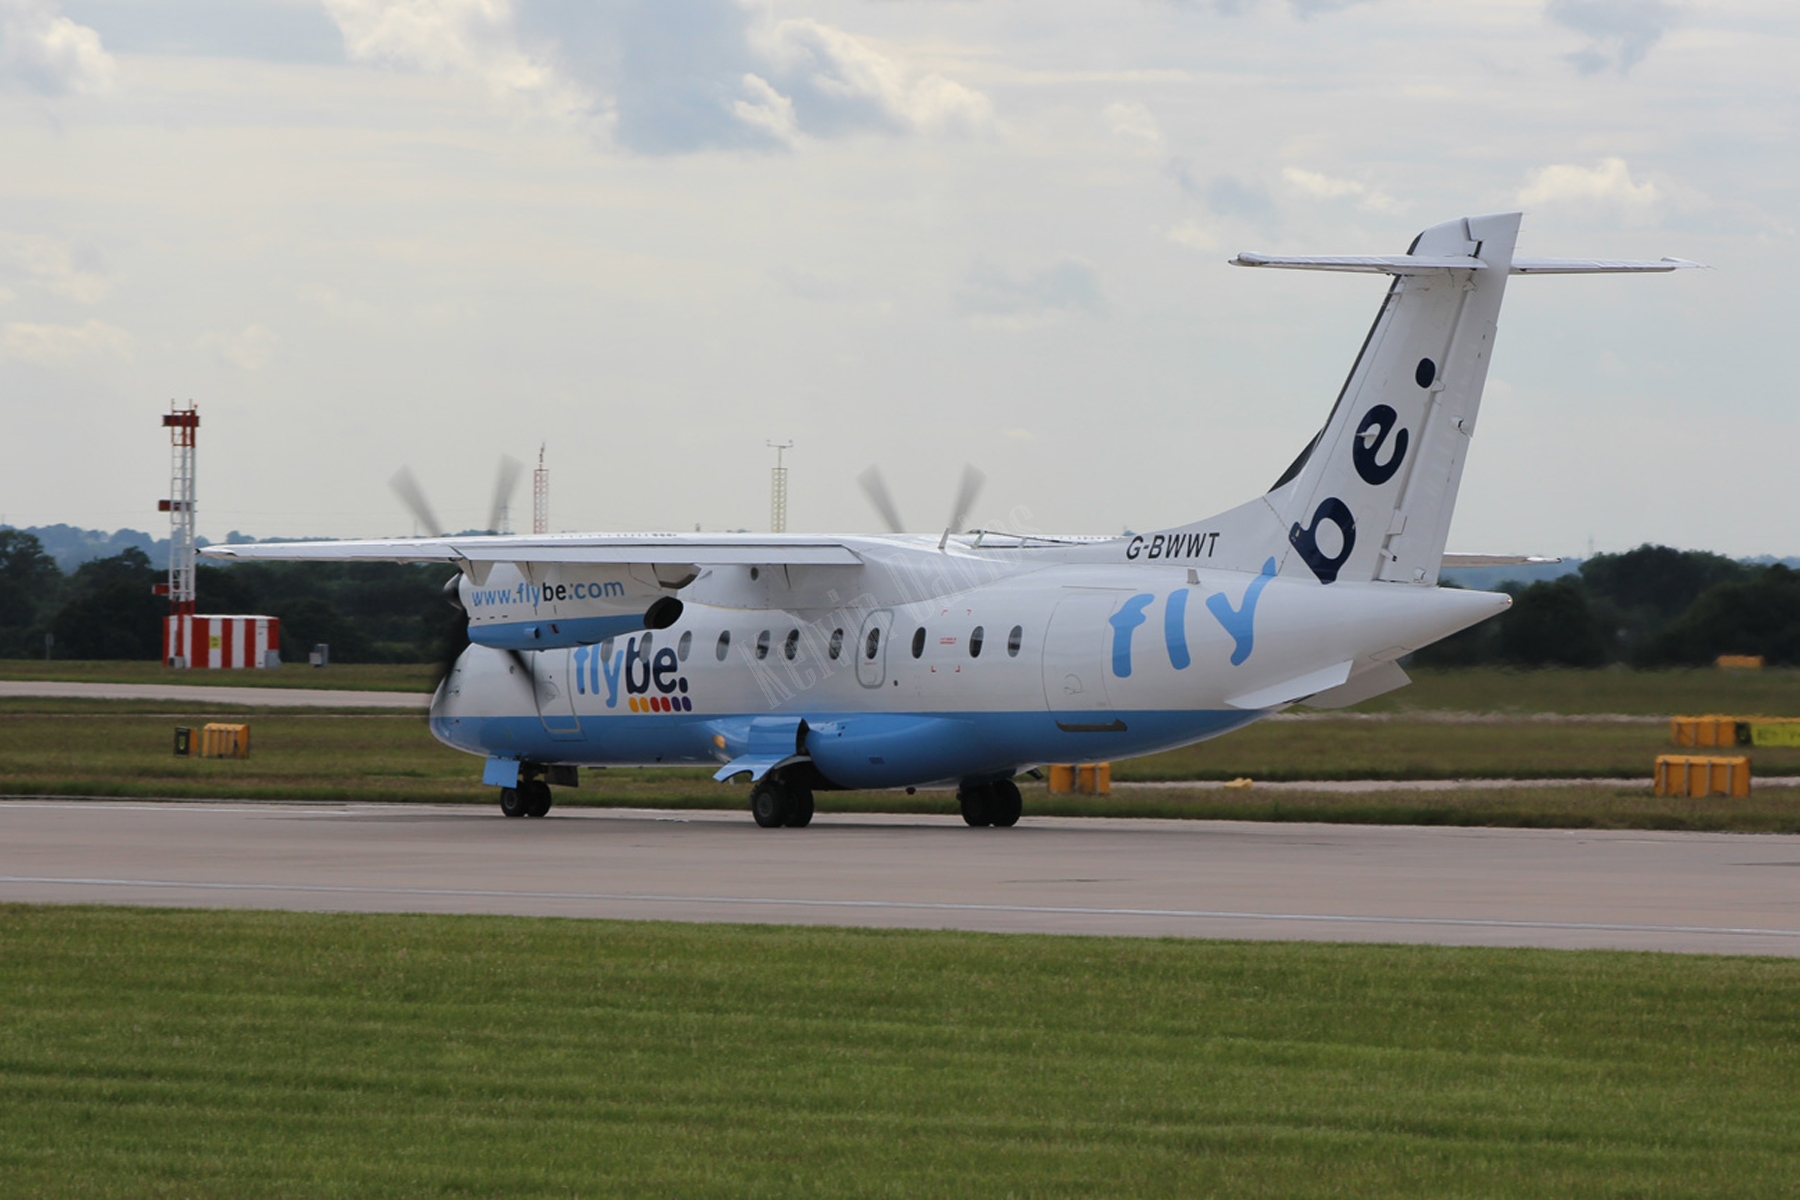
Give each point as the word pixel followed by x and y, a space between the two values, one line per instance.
pixel 562 606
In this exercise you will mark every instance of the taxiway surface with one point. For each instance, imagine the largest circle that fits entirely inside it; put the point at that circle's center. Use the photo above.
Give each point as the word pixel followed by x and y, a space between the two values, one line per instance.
pixel 1715 893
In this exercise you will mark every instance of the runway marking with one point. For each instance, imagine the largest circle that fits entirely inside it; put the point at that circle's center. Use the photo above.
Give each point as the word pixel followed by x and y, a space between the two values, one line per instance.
pixel 919 905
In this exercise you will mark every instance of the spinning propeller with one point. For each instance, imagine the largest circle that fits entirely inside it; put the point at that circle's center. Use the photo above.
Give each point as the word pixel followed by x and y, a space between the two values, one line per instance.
pixel 875 488
pixel 506 482
pixel 407 488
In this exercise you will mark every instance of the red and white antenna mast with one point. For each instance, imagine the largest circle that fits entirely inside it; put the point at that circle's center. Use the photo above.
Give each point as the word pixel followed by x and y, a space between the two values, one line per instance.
pixel 183 425
pixel 540 495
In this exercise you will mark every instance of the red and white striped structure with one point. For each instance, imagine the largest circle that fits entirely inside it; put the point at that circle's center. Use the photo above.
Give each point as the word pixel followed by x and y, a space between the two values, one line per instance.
pixel 229 642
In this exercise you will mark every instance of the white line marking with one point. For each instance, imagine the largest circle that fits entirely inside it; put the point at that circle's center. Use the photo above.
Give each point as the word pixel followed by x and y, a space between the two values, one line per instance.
pixel 924 905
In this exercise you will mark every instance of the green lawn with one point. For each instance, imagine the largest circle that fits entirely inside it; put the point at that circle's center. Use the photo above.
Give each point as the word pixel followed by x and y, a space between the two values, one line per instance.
pixel 1771 692
pixel 185 1054
pixel 1340 748
pixel 355 677
pixel 98 748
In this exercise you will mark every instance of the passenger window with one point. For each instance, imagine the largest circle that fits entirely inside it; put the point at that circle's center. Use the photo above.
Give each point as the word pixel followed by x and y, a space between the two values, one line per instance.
pixel 792 646
pixel 762 645
pixel 724 646
pixel 684 645
pixel 644 646
pixel 837 644
pixel 606 650
pixel 1014 640
pixel 874 644
pixel 975 642
pixel 919 642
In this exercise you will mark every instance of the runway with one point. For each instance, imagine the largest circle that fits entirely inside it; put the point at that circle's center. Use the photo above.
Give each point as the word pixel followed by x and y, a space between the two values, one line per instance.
pixel 1711 893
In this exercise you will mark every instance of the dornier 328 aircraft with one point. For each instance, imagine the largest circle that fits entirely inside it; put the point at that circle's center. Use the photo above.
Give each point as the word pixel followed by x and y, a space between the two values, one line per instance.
pixel 810 663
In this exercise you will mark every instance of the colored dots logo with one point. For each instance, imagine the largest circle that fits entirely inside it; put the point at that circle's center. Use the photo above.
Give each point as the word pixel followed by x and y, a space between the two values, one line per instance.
pixel 661 704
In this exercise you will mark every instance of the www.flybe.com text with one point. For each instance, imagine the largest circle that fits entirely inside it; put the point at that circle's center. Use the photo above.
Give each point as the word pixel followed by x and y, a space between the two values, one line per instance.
pixel 535 594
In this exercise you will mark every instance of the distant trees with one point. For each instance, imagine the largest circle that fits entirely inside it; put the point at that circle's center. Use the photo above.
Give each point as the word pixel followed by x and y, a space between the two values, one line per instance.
pixel 105 609
pixel 1755 615
pixel 29 580
pixel 1654 606
pixel 1552 624
pixel 109 611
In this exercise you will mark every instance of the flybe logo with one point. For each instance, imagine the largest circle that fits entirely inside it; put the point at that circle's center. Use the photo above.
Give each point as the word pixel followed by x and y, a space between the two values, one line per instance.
pixel 652 679
pixel 534 594
pixel 1238 620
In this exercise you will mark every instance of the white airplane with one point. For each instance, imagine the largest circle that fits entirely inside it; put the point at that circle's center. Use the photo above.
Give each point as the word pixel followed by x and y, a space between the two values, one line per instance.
pixel 811 663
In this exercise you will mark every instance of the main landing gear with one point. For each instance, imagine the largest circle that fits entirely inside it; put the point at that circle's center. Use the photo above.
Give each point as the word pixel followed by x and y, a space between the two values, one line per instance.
pixel 530 799
pixel 776 802
pixel 997 803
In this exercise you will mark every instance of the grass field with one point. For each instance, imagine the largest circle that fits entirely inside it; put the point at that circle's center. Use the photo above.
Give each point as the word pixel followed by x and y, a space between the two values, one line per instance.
pixel 1772 692
pixel 185 1054
pixel 355 677
pixel 97 748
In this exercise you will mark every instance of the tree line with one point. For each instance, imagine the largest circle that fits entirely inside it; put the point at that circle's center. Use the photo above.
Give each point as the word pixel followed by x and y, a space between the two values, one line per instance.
pixel 105 609
pixel 1650 607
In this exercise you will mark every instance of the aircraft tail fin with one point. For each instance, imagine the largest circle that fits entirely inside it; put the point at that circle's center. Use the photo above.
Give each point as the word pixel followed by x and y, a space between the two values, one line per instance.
pixel 1371 496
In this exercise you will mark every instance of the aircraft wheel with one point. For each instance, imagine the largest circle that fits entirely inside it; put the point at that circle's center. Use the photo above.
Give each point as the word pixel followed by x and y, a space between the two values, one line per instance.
pixel 537 793
pixel 1005 803
pixel 512 803
pixel 800 814
pixel 977 805
pixel 770 804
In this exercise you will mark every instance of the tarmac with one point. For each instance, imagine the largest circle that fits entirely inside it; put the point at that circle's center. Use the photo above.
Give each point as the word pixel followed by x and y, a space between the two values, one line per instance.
pixel 1563 889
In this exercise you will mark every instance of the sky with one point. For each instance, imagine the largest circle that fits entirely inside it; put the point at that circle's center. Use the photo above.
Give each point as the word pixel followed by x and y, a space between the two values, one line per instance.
pixel 652 236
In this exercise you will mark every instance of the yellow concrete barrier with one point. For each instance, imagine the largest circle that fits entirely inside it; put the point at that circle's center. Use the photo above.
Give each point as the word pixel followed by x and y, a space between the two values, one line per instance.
pixel 1701 775
pixel 1704 731
pixel 1739 662
pixel 219 740
pixel 1090 779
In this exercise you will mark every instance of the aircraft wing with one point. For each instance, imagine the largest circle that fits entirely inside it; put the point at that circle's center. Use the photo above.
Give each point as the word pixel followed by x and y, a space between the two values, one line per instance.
pixel 606 549
pixel 1454 561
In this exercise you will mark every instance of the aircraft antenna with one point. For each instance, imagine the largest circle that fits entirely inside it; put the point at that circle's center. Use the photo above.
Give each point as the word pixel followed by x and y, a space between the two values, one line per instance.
pixel 540 495
pixel 183 425
pixel 778 488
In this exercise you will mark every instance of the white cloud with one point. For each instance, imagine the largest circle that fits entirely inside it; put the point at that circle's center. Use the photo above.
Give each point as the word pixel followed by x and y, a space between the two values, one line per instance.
pixel 1133 122
pixel 473 38
pixel 665 76
pixel 1606 186
pixel 843 75
pixel 1620 32
pixel 767 110
pixel 1326 187
pixel 62 344
pixel 249 349
pixel 1191 235
pixel 43 51
pixel 48 263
